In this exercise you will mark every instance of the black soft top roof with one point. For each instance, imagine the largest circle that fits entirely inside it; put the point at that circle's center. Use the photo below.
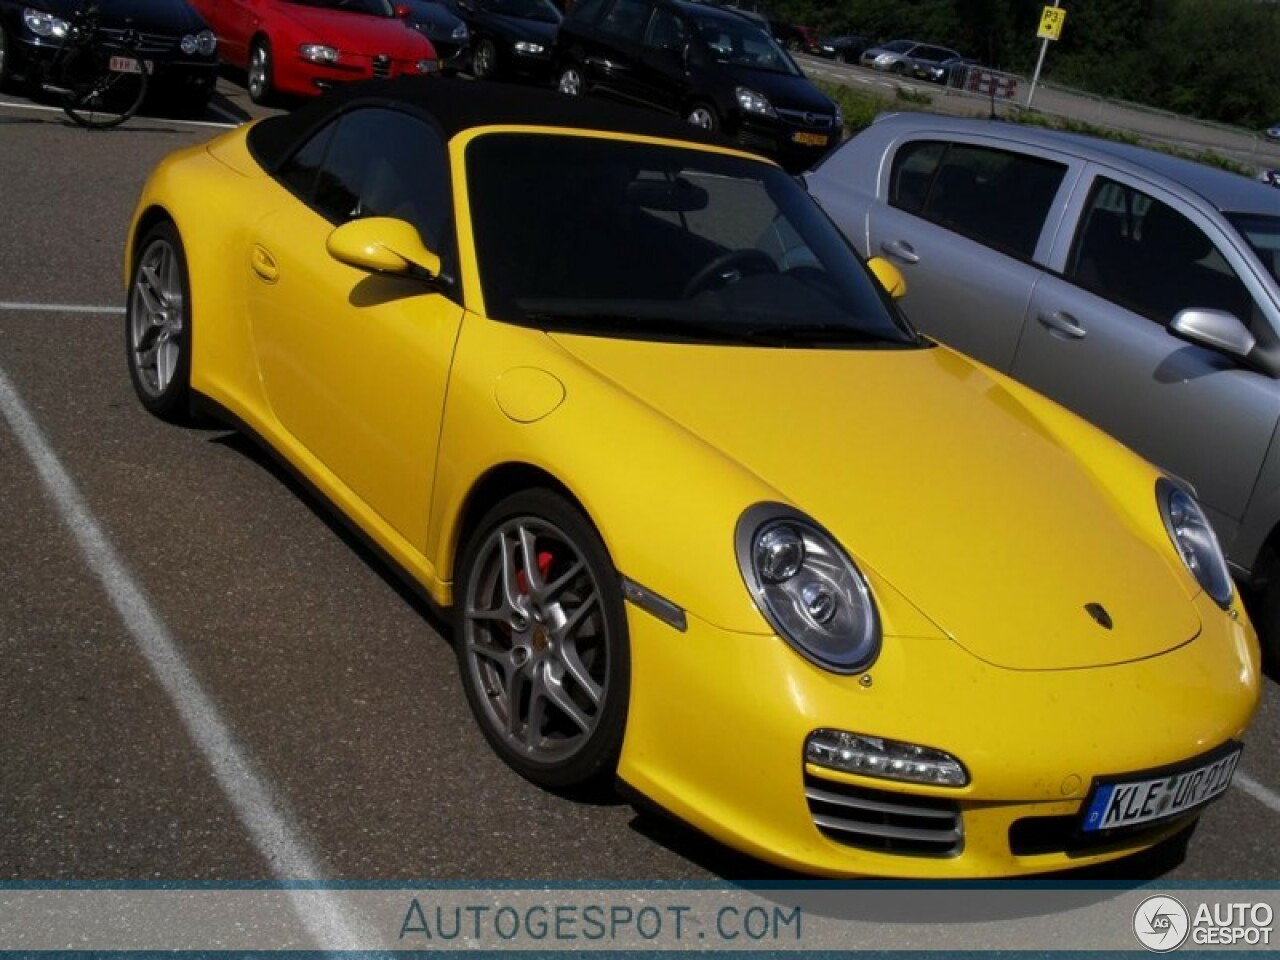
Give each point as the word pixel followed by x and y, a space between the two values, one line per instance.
pixel 458 105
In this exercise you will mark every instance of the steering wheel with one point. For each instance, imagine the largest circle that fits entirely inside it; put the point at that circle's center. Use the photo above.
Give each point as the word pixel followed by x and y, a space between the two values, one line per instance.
pixel 728 268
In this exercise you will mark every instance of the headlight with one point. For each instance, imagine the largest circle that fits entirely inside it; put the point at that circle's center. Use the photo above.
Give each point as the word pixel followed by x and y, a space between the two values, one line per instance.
pixel 881 757
pixel 527 46
pixel 753 102
pixel 1194 540
pixel 318 53
pixel 203 43
pixel 839 119
pixel 427 66
pixel 808 589
pixel 43 24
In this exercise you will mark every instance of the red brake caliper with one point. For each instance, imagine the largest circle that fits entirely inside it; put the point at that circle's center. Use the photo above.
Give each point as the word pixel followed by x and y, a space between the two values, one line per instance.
pixel 544 567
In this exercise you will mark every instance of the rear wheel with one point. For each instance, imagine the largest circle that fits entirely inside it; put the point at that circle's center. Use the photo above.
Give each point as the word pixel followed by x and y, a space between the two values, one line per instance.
pixel 107 89
pixel 261 75
pixel 541 640
pixel 158 325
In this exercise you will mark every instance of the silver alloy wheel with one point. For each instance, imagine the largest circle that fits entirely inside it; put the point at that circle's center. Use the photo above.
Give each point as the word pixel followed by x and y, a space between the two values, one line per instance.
pixel 537 643
pixel 156 311
pixel 701 116
pixel 259 72
pixel 570 81
pixel 485 60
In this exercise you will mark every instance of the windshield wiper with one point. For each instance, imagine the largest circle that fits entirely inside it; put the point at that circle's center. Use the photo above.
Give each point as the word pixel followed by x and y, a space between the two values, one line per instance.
pixel 813 333
pixel 641 326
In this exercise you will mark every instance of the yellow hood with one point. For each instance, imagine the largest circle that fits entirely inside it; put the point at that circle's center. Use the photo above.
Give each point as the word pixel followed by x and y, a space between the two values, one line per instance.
pixel 935 476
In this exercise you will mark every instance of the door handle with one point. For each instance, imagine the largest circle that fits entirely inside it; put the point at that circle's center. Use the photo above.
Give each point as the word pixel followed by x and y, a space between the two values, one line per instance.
pixel 1062 325
pixel 900 250
pixel 264 264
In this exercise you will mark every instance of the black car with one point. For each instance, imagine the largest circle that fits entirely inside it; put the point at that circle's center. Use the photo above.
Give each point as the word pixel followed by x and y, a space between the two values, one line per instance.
pixel 510 37
pixel 175 41
pixel 447 31
pixel 715 67
pixel 847 49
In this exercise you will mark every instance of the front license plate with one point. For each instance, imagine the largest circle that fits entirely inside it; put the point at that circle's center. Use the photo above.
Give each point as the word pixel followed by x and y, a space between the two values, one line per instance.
pixel 123 65
pixel 810 139
pixel 1129 802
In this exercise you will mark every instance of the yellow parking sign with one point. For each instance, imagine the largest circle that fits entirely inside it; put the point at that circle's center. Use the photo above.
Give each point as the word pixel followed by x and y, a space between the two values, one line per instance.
pixel 1051 23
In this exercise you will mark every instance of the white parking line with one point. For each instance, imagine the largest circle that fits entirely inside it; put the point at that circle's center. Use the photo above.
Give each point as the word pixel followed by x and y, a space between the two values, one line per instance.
pixel 58 308
pixel 140 118
pixel 1268 798
pixel 269 825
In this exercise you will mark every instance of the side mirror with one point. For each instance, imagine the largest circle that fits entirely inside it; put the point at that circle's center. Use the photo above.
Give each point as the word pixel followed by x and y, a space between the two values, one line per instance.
pixel 383 245
pixel 890 277
pixel 1215 329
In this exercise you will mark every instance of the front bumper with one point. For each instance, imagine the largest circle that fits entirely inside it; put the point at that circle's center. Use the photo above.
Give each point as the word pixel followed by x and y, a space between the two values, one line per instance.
pixel 718 723
pixel 790 139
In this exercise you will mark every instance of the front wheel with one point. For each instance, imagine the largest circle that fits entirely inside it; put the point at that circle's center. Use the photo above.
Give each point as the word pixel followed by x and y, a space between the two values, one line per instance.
pixel 261 75
pixel 108 92
pixel 703 115
pixel 158 325
pixel 570 81
pixel 484 61
pixel 541 639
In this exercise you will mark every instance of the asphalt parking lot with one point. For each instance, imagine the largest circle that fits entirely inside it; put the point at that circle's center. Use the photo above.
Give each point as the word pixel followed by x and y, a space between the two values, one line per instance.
pixel 205 678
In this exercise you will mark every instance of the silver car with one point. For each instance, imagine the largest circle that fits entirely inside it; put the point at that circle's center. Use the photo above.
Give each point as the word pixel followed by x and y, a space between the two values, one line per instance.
pixel 1138 289
pixel 905 56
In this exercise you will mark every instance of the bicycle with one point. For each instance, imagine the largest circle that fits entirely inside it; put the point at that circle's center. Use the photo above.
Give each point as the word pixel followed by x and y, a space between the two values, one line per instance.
pixel 97 73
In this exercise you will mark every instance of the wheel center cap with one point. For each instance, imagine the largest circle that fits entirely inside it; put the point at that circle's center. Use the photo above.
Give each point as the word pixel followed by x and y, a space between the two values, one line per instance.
pixel 541 641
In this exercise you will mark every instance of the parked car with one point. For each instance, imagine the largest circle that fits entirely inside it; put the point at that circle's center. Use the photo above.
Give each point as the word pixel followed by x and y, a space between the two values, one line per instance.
pixel 300 48
pixel 846 49
pixel 1138 289
pixel 948 71
pixel 1273 132
pixel 792 36
pixel 510 37
pixel 903 56
pixel 946 632
pixel 178 44
pixel 447 31
pixel 1270 177
pixel 715 67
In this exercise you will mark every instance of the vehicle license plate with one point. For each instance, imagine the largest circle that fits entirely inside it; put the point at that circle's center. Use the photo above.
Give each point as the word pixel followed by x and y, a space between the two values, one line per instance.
pixel 810 139
pixel 1129 802
pixel 124 65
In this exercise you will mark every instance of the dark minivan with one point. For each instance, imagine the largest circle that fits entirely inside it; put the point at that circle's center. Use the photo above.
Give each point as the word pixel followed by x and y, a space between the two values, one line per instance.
pixel 715 67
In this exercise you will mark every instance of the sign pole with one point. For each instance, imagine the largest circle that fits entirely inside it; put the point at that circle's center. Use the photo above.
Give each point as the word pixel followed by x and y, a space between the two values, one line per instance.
pixel 1050 26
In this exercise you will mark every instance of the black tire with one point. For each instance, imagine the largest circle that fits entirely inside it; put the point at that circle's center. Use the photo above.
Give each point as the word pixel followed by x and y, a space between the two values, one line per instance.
pixel 157 326
pixel 898 69
pixel 260 77
pixel 570 81
pixel 101 98
pixel 704 115
pixel 544 658
pixel 484 60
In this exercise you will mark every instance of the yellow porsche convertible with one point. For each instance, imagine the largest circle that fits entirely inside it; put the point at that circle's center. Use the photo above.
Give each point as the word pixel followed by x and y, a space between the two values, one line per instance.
pixel 709 516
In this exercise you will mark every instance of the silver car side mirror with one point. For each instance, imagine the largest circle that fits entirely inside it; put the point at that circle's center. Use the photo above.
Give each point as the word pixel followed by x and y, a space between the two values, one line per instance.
pixel 1216 329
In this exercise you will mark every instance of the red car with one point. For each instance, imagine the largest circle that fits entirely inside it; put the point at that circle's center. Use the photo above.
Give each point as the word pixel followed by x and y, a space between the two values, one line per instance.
pixel 301 47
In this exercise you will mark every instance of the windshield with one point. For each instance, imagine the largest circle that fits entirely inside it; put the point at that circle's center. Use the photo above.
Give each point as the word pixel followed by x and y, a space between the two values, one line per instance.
pixel 640 241
pixel 744 44
pixel 540 10
pixel 379 8
pixel 1262 233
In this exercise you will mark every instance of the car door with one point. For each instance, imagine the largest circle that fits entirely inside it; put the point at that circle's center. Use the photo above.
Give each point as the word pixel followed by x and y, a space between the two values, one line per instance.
pixel 613 55
pixel 355 365
pixel 235 22
pixel 663 74
pixel 970 224
pixel 1097 340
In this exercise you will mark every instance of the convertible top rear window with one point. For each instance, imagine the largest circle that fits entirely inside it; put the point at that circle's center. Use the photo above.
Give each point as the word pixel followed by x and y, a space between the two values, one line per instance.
pixel 624 239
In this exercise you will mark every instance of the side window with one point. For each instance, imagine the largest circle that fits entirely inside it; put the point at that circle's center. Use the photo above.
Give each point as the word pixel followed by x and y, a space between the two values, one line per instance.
pixel 405 177
pixel 996 197
pixel 913 170
pixel 586 11
pixel 1144 255
pixel 666 31
pixel 626 19
pixel 299 173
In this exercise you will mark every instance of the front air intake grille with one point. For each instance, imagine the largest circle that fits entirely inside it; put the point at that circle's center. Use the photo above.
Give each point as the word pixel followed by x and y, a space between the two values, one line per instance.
pixel 382 66
pixel 807 118
pixel 1033 836
pixel 886 822
pixel 138 41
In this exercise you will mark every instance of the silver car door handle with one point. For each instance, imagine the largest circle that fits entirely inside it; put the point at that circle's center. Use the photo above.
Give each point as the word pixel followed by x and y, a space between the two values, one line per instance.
pixel 1062 325
pixel 900 250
